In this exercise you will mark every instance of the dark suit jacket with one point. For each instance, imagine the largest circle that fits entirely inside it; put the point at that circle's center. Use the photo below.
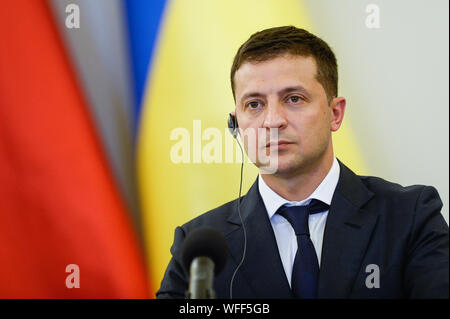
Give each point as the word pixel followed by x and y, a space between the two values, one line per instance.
pixel 370 221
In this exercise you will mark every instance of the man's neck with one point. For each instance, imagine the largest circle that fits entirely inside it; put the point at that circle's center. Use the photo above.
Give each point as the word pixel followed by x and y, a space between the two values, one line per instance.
pixel 300 186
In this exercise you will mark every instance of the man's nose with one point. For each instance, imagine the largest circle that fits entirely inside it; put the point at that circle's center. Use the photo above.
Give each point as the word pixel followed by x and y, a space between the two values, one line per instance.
pixel 275 116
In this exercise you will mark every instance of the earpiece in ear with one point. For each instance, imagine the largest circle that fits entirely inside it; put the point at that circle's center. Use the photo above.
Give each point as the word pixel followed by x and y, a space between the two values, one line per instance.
pixel 232 125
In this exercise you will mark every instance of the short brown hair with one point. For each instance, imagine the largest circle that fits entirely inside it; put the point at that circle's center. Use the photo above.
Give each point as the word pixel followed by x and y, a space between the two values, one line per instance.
pixel 270 43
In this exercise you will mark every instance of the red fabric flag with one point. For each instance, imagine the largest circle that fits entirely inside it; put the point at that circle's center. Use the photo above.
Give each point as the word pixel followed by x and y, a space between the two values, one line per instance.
pixel 59 204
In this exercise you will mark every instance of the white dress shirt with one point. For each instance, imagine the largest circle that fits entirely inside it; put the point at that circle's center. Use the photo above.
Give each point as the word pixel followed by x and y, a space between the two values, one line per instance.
pixel 284 233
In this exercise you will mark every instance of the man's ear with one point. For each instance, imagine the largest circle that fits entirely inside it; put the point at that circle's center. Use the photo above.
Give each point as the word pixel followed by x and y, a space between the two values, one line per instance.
pixel 232 124
pixel 337 106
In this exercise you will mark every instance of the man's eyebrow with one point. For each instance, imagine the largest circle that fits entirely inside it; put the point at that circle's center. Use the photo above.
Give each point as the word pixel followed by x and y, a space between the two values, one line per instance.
pixel 284 91
pixel 251 94
pixel 293 89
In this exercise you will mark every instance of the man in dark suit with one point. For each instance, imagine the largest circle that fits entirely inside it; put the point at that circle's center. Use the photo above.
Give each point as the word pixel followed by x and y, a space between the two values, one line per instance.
pixel 313 228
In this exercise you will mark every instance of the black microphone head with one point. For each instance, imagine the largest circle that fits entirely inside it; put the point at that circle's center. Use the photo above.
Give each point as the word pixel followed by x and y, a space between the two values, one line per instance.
pixel 206 242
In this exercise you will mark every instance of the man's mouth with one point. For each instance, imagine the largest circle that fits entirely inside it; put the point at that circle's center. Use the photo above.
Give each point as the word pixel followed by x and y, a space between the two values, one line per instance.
pixel 278 144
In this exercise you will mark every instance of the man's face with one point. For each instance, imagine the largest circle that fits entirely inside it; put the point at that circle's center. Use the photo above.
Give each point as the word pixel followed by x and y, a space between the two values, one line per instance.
pixel 283 93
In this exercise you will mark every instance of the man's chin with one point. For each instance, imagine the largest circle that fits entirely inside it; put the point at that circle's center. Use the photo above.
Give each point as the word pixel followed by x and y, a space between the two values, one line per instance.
pixel 278 168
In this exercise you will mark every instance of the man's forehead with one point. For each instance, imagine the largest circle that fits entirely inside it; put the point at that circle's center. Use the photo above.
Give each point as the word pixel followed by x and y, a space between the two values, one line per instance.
pixel 287 70
pixel 284 59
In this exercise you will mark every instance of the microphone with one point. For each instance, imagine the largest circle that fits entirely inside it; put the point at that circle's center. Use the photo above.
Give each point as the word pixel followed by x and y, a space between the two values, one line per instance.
pixel 203 253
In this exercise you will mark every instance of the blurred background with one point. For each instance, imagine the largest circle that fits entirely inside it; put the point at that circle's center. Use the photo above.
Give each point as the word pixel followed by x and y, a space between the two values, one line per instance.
pixel 90 91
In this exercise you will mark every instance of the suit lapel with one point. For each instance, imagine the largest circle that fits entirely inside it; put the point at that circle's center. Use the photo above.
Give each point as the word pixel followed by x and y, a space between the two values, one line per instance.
pixel 347 233
pixel 262 267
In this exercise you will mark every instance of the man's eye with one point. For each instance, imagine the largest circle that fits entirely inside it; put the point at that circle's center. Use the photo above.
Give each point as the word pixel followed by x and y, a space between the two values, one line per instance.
pixel 295 99
pixel 253 105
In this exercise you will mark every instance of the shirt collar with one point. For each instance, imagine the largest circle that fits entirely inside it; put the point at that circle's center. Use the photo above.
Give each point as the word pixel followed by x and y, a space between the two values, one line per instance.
pixel 324 192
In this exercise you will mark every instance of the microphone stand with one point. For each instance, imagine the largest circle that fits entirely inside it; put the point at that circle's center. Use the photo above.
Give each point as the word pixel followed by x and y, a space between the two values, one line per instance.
pixel 201 279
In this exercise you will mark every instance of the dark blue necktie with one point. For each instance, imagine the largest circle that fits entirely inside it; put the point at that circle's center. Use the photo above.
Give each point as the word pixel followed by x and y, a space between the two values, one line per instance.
pixel 305 273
